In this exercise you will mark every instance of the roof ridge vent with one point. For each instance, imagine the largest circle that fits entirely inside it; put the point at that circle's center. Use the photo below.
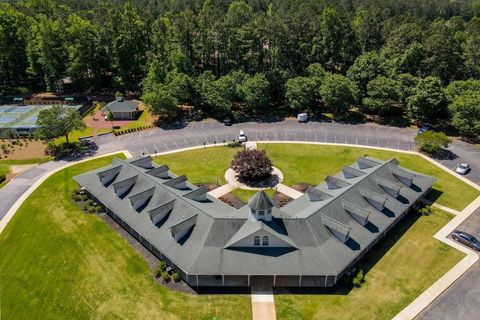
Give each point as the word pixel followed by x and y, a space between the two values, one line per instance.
pixel 401 174
pixel 179 182
pixel 358 213
pixel 390 187
pixel 365 163
pixel 160 172
pixel 376 200
pixel 107 176
pixel 315 195
pixel 180 230
pixel 350 173
pixel 338 229
pixel 143 162
pixel 159 213
pixel 139 199
pixel 335 183
pixel 122 187
pixel 199 194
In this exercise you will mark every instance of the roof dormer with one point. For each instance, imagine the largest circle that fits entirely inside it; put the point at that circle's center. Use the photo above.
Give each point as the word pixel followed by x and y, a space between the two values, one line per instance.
pixel 260 207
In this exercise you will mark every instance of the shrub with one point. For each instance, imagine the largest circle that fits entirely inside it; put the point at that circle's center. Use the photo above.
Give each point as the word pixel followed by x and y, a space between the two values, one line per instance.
pixel 90 202
pixel 431 142
pixel 176 277
pixel 252 165
pixel 234 144
pixel 2 177
pixel 162 265
pixel 77 197
pixel 359 279
pixel 84 197
pixel 425 211
pixel 98 209
pixel 165 276
pixel 91 209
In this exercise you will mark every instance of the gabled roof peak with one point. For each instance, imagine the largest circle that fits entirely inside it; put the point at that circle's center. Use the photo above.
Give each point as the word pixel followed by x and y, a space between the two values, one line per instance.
pixel 260 201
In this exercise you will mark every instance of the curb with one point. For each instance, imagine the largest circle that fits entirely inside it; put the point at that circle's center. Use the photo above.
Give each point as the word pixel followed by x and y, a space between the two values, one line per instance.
pixel 13 209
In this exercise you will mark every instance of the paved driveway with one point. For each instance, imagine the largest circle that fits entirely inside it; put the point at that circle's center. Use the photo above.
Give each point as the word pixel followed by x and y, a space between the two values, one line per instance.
pixel 198 133
pixel 462 299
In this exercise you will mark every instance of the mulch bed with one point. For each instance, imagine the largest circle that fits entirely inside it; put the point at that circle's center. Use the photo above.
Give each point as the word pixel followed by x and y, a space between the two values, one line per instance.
pixel 302 187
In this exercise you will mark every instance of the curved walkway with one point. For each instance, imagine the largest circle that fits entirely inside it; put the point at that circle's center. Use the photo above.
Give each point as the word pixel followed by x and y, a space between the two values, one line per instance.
pixel 213 133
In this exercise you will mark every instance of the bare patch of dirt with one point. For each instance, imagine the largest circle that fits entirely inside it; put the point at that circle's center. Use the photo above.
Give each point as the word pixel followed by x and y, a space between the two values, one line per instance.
pixel 22 149
pixel 280 199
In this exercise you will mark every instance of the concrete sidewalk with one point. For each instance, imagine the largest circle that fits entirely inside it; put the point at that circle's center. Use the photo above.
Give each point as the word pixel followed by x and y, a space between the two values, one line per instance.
pixel 429 295
pixel 222 190
pixel 286 190
pixel 263 304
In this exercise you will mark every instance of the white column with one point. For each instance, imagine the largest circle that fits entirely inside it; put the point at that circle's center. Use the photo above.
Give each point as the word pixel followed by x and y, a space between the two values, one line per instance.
pixel 300 281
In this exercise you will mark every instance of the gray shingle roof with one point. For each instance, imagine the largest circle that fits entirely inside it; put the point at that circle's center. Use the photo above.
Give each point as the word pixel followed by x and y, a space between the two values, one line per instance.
pixel 260 201
pixel 121 106
pixel 306 224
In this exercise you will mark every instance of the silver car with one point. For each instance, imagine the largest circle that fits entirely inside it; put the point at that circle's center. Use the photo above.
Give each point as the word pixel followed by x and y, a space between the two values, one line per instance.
pixel 462 168
pixel 242 137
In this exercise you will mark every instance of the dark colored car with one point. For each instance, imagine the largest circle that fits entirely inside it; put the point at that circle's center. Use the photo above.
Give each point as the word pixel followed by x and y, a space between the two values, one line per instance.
pixel 466 238
pixel 425 127
pixel 227 121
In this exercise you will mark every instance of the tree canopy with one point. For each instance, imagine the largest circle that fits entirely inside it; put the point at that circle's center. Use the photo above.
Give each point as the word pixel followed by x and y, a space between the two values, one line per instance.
pixel 58 121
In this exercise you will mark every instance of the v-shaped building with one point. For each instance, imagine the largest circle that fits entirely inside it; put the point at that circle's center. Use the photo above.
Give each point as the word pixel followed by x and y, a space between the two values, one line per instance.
pixel 312 241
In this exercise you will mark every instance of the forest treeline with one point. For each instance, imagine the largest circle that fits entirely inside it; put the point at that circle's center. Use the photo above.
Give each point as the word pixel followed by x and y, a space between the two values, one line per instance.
pixel 421 56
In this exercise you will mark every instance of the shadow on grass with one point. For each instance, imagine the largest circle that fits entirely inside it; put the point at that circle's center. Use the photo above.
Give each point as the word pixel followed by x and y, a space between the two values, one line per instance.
pixel 433 195
pixel 344 285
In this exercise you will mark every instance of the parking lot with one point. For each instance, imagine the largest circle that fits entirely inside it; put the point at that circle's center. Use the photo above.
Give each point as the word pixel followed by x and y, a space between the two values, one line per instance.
pixel 462 299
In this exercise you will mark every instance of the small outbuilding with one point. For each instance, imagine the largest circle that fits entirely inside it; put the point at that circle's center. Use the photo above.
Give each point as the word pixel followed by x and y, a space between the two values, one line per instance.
pixel 122 109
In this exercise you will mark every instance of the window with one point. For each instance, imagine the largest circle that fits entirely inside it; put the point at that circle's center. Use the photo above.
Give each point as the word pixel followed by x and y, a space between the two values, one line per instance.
pixel 265 241
pixel 256 241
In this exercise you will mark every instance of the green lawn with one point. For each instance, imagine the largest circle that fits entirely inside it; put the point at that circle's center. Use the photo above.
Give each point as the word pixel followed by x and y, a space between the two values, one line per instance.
pixel 59 263
pixel 204 165
pixel 143 121
pixel 311 164
pixel 26 161
pixel 4 170
pixel 396 275
pixel 75 135
pixel 245 195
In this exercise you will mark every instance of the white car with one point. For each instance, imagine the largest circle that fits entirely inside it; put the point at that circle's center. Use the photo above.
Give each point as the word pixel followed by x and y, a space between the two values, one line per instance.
pixel 242 137
pixel 462 168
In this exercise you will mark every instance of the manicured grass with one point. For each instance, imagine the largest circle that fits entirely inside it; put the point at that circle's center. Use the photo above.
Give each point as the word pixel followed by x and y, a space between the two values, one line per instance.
pixel 206 165
pixel 311 164
pixel 245 195
pixel 26 161
pixel 59 263
pixel 75 135
pixel 4 170
pixel 397 272
pixel 144 120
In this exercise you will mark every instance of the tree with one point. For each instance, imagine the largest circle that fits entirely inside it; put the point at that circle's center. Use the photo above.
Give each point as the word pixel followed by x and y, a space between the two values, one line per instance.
pixel 58 121
pixel 382 93
pixel 366 67
pixel 407 84
pixel 252 165
pixel 431 142
pixel 460 87
pixel 444 52
pixel 465 111
pixel 255 92
pixel 338 92
pixel 301 92
pixel 472 47
pixel 161 100
pixel 427 103
pixel 317 73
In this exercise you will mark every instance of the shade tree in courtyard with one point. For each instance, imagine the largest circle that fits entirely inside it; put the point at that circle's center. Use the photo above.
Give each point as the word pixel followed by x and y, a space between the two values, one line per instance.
pixel 252 165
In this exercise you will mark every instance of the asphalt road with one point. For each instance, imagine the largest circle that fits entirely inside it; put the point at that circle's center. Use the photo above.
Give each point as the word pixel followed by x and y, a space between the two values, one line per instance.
pixel 198 133
pixel 462 299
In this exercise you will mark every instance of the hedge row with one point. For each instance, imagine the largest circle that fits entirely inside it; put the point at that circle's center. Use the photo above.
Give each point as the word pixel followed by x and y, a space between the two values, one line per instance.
pixel 120 132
